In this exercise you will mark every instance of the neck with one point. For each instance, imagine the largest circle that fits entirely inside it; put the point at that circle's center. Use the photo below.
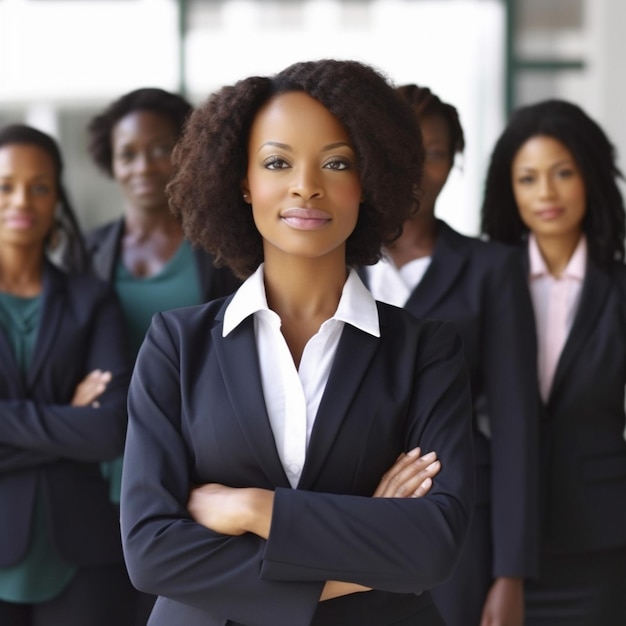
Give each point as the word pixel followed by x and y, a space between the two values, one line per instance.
pixel 306 289
pixel 140 222
pixel 21 272
pixel 557 251
pixel 417 240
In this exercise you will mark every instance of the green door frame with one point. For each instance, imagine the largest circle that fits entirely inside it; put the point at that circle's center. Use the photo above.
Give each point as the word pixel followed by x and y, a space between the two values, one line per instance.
pixel 514 65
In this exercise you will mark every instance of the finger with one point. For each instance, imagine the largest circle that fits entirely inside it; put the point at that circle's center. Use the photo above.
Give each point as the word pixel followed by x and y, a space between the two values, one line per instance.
pixel 409 466
pixel 404 484
pixel 402 471
pixel 419 484
pixel 423 489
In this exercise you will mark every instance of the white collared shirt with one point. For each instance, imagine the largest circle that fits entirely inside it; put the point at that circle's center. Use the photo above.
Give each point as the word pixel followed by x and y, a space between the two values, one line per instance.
pixel 395 285
pixel 292 396
pixel 555 301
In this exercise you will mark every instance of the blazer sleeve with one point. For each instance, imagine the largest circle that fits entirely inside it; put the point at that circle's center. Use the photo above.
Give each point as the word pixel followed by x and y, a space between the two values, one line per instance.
pixel 509 372
pixel 402 545
pixel 12 459
pixel 59 430
pixel 166 552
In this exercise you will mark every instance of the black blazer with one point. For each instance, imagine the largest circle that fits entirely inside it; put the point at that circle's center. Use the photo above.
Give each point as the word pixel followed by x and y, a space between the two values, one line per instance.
pixel 583 462
pixel 47 444
pixel 197 415
pixel 103 251
pixel 480 287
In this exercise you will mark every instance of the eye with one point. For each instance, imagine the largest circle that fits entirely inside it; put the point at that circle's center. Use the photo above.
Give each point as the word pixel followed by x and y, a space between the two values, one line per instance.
pixel 565 173
pixel 338 164
pixel 5 187
pixel 126 156
pixel 162 151
pixel 41 189
pixel 525 180
pixel 436 156
pixel 275 163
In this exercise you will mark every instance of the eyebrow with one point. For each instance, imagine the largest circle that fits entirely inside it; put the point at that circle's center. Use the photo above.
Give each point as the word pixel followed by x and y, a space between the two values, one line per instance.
pixel 284 146
pixel 557 164
pixel 10 176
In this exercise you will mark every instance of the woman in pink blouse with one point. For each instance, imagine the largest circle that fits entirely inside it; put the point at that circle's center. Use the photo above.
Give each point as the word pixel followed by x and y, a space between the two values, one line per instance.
pixel 552 189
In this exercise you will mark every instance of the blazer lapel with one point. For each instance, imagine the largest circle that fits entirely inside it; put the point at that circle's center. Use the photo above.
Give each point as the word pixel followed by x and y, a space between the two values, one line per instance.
pixel 51 317
pixel 596 288
pixel 449 257
pixel 354 354
pixel 9 371
pixel 104 257
pixel 239 365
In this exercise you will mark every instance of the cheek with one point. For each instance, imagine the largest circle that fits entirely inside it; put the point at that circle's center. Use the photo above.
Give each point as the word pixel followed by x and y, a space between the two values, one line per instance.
pixel 118 171
pixel 261 190
pixel 349 194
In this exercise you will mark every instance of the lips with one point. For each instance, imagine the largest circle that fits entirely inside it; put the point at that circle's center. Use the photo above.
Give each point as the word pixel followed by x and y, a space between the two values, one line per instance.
pixel 18 221
pixel 305 218
pixel 550 213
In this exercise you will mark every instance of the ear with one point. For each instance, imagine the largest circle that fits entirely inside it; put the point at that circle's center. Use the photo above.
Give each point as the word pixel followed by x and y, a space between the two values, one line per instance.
pixel 245 192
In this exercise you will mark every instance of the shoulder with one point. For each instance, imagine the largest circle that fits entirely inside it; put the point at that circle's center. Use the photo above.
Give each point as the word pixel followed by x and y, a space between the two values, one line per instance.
pixel 101 233
pixel 406 331
pixel 482 249
pixel 483 257
pixel 82 291
pixel 187 322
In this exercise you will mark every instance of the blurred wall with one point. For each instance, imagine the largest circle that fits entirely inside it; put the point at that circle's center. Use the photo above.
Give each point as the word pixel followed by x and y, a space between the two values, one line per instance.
pixel 61 61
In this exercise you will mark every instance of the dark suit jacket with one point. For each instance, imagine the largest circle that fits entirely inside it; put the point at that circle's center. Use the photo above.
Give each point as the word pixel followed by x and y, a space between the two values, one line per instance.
pixel 583 468
pixel 197 415
pixel 47 444
pixel 103 251
pixel 479 287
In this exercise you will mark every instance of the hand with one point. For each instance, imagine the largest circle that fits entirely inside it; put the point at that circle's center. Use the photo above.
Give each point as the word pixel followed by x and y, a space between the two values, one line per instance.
pixel 334 589
pixel 504 605
pixel 411 476
pixel 231 511
pixel 90 388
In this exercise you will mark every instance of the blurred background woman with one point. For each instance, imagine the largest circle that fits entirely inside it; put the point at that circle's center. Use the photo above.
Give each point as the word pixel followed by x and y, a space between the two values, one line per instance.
pixel 434 271
pixel 552 191
pixel 144 253
pixel 64 377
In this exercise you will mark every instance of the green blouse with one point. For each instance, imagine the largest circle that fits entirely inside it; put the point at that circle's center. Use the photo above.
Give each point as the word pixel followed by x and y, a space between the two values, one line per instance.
pixel 176 285
pixel 42 574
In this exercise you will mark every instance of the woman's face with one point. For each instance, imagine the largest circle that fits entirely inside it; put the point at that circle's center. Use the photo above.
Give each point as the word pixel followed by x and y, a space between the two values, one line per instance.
pixel 28 195
pixel 549 188
pixel 302 178
pixel 142 144
pixel 438 161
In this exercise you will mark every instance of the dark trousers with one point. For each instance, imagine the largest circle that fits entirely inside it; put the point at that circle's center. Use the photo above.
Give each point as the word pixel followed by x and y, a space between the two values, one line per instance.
pixel 96 596
pixel 587 589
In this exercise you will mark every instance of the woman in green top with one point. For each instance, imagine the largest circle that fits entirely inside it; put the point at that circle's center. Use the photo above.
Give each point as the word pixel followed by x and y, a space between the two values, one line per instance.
pixel 144 253
pixel 63 381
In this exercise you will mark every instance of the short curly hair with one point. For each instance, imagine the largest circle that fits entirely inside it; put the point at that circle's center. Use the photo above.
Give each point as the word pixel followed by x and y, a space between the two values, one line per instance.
pixel 100 128
pixel 210 160
pixel 605 219
pixel 424 103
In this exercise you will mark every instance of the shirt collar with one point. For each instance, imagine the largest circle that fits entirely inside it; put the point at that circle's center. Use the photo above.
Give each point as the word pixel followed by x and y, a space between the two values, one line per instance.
pixel 357 306
pixel 575 267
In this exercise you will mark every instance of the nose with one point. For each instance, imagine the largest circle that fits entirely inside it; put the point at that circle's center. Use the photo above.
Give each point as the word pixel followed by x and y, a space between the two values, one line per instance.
pixel 305 183
pixel 19 196
pixel 546 187
pixel 143 162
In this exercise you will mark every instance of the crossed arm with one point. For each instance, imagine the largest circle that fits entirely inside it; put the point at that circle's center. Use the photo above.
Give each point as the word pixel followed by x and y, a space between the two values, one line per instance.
pixel 231 511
